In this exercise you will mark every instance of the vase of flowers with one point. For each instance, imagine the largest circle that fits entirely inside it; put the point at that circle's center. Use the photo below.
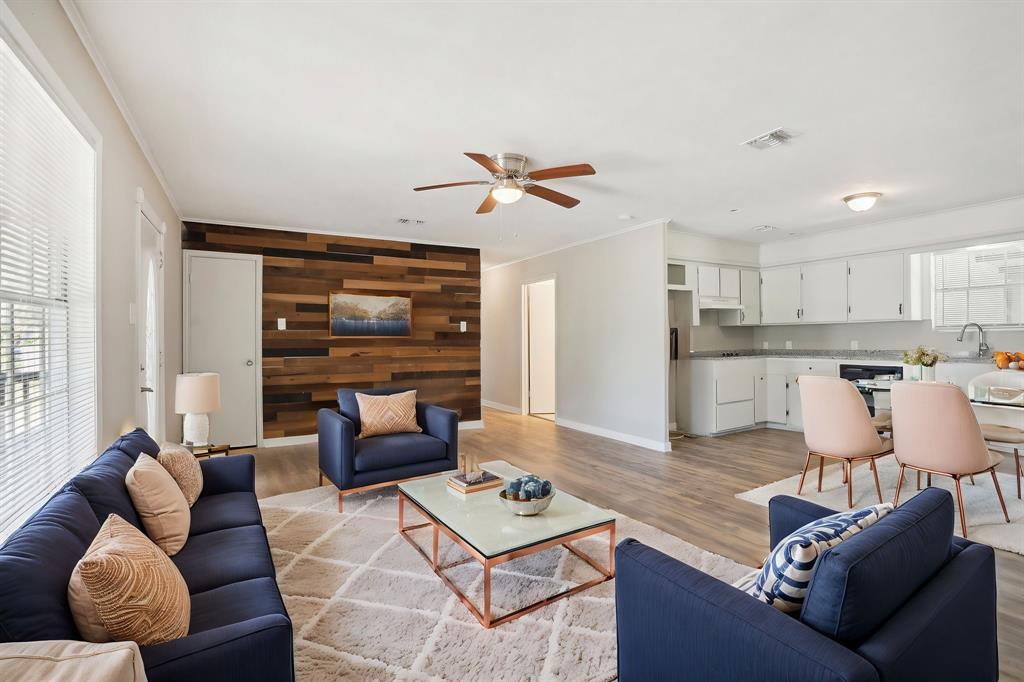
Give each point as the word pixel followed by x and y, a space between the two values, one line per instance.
pixel 920 363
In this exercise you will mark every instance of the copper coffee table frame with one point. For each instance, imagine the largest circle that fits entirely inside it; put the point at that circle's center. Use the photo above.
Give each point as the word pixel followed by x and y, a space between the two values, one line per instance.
pixel 484 617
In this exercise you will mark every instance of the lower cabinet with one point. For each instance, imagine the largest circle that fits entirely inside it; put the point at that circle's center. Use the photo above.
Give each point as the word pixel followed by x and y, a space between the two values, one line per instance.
pixel 734 415
pixel 770 401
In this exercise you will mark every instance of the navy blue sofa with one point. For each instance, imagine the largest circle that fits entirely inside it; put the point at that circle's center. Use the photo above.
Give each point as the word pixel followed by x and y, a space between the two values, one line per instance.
pixel 903 600
pixel 239 627
pixel 356 464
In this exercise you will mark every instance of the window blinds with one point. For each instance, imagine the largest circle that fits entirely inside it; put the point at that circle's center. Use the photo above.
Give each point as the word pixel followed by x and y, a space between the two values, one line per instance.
pixel 983 284
pixel 47 295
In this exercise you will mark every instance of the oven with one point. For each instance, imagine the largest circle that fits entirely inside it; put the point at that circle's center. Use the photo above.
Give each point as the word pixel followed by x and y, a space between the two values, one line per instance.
pixel 873 382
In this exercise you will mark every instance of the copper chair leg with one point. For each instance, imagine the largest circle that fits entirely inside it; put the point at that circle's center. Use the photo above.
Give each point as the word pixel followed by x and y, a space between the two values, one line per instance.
pixel 1019 472
pixel 821 472
pixel 807 464
pixel 321 478
pixel 341 502
pixel 899 485
pixel 971 476
pixel 878 486
pixel 929 479
pixel 999 493
pixel 849 484
pixel 919 480
pixel 960 504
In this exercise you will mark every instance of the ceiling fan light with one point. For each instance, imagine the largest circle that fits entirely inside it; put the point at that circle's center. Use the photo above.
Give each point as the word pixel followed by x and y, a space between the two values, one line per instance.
pixel 507 191
pixel 862 201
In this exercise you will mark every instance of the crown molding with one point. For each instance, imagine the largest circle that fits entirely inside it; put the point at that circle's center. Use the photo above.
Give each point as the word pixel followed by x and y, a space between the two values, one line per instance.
pixel 78 22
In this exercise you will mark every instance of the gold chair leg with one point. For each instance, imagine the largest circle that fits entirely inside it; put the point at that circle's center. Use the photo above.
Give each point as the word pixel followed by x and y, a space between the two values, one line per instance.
pixel 849 484
pixel 999 493
pixel 878 486
pixel 899 485
pixel 960 504
pixel 821 472
pixel 807 464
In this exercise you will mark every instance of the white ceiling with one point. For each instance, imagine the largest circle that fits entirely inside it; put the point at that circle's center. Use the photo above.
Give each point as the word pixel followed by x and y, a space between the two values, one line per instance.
pixel 325 115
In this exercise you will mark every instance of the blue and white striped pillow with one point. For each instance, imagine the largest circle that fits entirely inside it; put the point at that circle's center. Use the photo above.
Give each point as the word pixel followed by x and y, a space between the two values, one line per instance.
pixel 787 572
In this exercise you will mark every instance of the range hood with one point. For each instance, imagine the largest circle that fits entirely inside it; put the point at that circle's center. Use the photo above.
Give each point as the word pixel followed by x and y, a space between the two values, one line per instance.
pixel 719 303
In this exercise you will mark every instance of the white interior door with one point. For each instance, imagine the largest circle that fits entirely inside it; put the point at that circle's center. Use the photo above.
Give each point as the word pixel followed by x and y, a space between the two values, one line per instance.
pixel 222 334
pixel 148 317
pixel 541 301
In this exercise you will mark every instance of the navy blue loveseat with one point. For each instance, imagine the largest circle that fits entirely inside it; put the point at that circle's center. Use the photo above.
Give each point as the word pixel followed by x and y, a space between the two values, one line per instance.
pixel 901 601
pixel 239 629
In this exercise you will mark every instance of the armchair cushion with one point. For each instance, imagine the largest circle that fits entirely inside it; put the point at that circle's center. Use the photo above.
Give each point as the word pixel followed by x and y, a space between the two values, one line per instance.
pixel 384 414
pixel 859 584
pixel 397 449
pixel 348 406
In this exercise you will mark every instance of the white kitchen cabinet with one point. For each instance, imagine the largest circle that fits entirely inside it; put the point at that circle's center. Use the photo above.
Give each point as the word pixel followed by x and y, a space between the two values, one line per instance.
pixel 734 415
pixel 729 282
pixel 775 409
pixel 734 388
pixel 875 288
pixel 823 292
pixel 780 296
pixel 707 281
pixel 750 299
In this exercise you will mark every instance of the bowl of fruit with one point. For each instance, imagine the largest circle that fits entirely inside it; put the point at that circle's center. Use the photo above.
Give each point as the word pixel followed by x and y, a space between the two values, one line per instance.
pixel 527 495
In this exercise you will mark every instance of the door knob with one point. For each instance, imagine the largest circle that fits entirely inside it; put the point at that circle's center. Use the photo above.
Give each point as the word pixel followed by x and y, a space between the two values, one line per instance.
pixel 248 363
pixel 145 389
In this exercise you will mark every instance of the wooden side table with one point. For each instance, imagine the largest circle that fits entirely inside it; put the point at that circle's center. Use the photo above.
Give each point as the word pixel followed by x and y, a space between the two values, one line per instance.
pixel 209 450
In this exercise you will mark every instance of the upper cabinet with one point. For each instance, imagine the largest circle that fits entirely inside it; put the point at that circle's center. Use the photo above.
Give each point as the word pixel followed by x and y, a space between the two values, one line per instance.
pixel 750 299
pixel 875 288
pixel 780 296
pixel 729 282
pixel 707 281
pixel 823 292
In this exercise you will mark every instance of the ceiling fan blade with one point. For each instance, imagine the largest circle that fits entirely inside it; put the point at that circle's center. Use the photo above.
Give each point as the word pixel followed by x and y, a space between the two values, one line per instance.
pixel 572 171
pixel 451 184
pixel 488 205
pixel 487 162
pixel 551 195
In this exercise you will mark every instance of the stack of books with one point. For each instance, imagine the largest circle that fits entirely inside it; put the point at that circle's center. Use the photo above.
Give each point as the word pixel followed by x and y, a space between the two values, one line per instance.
pixel 481 481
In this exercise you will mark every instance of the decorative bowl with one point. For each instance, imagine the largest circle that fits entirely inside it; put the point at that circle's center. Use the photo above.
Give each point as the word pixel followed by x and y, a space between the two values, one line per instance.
pixel 527 507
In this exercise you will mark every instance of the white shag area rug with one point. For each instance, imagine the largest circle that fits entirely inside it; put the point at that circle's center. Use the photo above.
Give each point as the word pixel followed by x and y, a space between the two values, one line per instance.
pixel 985 521
pixel 366 606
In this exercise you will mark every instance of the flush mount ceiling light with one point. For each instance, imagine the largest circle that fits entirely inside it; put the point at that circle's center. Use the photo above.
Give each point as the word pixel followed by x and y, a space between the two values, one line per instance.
pixel 862 201
pixel 507 191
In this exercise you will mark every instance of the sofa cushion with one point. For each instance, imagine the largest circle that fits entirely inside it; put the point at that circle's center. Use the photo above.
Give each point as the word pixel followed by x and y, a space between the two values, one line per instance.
pixel 397 449
pixel 135 443
pixel 860 583
pixel 160 503
pixel 65 660
pixel 235 603
pixel 348 406
pixel 184 468
pixel 102 483
pixel 226 510
pixel 226 556
pixel 35 565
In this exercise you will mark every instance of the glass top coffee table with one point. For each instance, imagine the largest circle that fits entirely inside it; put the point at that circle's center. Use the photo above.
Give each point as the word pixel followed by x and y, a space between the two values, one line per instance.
pixel 493 535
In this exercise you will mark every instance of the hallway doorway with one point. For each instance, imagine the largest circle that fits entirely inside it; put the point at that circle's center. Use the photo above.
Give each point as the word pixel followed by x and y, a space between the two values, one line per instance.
pixel 539 343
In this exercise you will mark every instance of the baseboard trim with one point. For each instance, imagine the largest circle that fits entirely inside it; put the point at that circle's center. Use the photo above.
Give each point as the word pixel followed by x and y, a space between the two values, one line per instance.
pixel 501 406
pixel 470 425
pixel 289 440
pixel 648 443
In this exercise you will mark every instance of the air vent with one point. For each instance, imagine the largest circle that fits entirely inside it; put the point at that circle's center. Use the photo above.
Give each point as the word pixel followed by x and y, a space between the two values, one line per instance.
pixel 764 228
pixel 773 138
pixel 411 221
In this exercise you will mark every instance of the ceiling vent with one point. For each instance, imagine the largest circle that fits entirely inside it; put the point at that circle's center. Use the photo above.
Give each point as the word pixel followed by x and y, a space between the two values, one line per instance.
pixel 764 228
pixel 773 138
pixel 410 221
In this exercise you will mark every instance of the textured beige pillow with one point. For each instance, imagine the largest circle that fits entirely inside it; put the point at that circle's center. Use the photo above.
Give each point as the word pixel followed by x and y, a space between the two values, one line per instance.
pixel 160 504
pixel 382 414
pixel 184 468
pixel 71 661
pixel 126 589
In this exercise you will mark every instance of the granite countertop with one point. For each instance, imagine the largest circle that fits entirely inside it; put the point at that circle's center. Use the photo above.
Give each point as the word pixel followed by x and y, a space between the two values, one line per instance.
pixel 863 355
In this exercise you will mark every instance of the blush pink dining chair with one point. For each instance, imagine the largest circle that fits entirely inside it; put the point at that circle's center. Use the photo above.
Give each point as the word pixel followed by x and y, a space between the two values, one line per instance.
pixel 837 425
pixel 938 433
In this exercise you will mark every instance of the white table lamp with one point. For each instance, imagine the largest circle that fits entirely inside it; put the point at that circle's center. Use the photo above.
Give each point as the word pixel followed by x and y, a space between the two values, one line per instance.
pixel 195 396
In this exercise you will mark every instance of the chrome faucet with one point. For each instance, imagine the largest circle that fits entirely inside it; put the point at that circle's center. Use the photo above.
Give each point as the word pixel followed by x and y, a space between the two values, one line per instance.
pixel 983 348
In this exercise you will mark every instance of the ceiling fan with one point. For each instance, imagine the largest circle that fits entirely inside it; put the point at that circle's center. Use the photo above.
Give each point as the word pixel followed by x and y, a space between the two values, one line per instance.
pixel 511 180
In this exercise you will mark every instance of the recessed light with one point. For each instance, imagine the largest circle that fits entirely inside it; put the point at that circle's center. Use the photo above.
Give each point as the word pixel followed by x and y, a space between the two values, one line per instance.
pixel 625 216
pixel 862 201
pixel 764 228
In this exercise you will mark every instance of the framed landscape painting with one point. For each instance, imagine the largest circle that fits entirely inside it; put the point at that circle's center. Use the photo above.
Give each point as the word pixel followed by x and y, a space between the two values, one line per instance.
pixel 366 315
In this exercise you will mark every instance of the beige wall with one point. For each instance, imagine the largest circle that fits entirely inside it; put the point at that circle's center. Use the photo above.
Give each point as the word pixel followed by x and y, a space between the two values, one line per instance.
pixel 124 169
pixel 611 332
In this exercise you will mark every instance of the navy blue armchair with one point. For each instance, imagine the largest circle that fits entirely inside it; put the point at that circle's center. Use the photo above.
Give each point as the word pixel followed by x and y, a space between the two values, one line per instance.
pixel 358 464
pixel 901 600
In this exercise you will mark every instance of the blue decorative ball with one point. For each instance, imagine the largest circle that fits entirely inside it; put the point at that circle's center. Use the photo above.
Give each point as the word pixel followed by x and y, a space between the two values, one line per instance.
pixel 528 487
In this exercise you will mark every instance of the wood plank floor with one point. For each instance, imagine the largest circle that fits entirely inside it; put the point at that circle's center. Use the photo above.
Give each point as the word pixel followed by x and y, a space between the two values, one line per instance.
pixel 688 492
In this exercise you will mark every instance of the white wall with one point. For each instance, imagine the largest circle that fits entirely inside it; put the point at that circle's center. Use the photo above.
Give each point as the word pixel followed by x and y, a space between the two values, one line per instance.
pixel 542 347
pixel 124 169
pixel 698 247
pixel 612 334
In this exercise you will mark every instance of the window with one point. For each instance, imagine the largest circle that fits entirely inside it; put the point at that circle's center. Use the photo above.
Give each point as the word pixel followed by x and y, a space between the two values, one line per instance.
pixel 983 284
pixel 48 366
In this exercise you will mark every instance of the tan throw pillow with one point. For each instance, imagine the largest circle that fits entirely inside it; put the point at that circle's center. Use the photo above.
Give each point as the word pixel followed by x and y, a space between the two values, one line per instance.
pixel 160 504
pixel 126 589
pixel 71 661
pixel 184 468
pixel 382 414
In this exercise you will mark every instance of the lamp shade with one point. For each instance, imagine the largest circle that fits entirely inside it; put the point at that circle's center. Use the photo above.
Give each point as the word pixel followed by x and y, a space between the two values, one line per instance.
pixel 197 393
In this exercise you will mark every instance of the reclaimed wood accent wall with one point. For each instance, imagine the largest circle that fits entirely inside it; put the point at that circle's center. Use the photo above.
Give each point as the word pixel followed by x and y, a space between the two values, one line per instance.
pixel 303 366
